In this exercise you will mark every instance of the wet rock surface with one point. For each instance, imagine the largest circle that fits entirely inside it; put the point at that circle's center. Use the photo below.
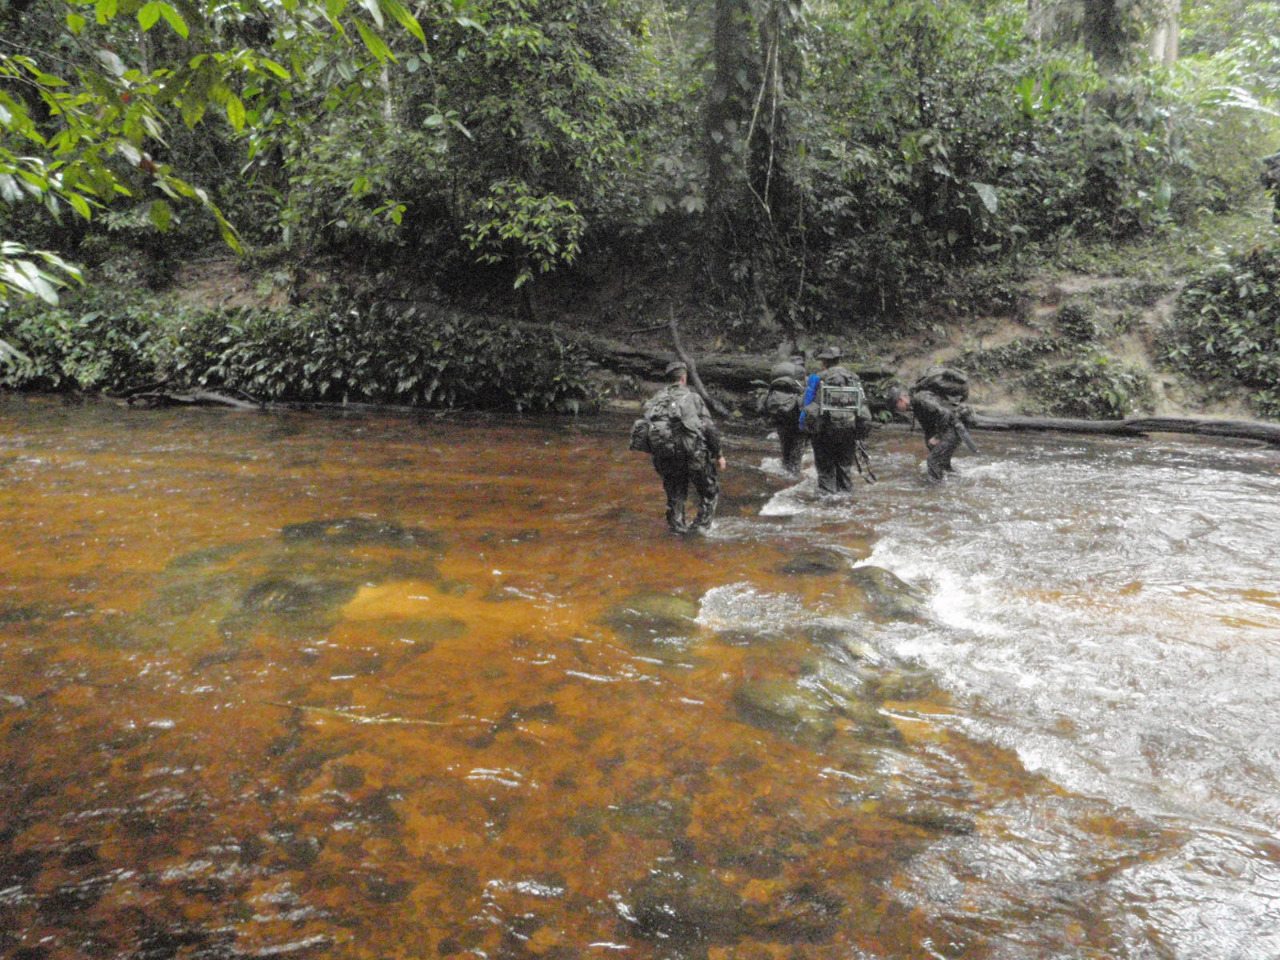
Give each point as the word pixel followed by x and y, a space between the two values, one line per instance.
pixel 687 905
pixel 649 617
pixel 888 595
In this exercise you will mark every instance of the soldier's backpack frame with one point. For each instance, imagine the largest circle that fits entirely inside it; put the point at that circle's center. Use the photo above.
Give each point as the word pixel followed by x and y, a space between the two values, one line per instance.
pixel 835 407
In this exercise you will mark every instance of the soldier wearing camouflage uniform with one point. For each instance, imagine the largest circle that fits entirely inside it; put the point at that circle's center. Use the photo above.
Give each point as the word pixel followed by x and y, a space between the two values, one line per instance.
pixel 782 406
pixel 694 457
pixel 940 413
pixel 834 448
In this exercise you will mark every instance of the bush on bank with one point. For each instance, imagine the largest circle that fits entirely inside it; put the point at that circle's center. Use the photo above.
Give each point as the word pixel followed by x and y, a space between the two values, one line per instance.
pixel 1226 327
pixel 419 357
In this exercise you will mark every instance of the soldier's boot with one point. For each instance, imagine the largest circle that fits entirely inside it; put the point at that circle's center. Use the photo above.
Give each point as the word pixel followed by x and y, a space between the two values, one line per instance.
pixel 675 518
pixel 706 511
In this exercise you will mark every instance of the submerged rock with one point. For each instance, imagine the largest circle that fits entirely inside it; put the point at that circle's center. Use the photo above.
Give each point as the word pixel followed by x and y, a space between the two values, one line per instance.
pixel 888 595
pixel 785 707
pixel 816 563
pixel 650 617
pixel 804 914
pixel 903 683
pixel 932 816
pixel 688 905
pixel 360 531
pixel 287 595
pixel 812 709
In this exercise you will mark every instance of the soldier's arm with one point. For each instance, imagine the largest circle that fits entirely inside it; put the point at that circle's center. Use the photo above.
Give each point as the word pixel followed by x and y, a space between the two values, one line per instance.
pixel 711 433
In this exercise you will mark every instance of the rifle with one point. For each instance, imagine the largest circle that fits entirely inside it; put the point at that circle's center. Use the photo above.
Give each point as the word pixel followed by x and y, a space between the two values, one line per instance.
pixel 861 459
pixel 963 431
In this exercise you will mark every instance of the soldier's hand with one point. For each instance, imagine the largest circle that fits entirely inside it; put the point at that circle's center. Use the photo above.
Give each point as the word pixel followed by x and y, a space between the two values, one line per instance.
pixel 720 463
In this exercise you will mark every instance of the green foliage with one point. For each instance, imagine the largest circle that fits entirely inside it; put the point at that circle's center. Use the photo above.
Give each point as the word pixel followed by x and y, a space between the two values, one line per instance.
pixel 32 273
pixel 415 357
pixel 85 126
pixel 1078 322
pixel 65 350
pixel 1089 386
pixel 1017 356
pixel 535 232
pixel 1226 327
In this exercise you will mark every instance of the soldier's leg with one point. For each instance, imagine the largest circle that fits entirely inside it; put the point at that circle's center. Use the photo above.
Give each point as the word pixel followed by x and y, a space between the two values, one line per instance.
pixel 824 459
pixel 706 482
pixel 675 483
pixel 793 442
pixel 939 461
pixel 844 462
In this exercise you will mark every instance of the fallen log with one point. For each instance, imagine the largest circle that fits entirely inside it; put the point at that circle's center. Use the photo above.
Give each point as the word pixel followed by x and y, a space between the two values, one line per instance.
pixel 1136 426
pixel 190 398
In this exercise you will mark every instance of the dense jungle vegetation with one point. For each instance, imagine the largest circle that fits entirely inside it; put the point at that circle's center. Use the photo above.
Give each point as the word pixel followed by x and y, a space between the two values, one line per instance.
pixel 425 186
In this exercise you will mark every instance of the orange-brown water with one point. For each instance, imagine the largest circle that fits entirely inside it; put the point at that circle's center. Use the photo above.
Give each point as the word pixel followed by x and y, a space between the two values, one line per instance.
pixel 373 687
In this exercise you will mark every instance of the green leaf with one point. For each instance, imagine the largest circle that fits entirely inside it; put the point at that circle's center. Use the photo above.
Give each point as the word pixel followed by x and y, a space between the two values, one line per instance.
pixel 113 64
pixel 406 19
pixel 161 214
pixel 80 205
pixel 175 21
pixel 149 15
pixel 235 112
pixel 374 43
pixel 987 194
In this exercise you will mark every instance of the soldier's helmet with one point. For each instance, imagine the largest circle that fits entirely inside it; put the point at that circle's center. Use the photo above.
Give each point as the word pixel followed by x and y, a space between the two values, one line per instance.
pixel 784 369
pixel 675 366
pixel 831 353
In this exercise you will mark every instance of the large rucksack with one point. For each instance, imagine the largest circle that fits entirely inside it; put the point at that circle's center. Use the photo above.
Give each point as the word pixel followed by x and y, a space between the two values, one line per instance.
pixel 782 402
pixel 946 382
pixel 662 427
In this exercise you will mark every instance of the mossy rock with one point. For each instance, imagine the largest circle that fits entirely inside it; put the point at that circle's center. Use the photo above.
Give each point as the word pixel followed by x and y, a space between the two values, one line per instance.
pixel 888 596
pixel 650 617
pixel 816 563
pixel 360 531
pixel 785 707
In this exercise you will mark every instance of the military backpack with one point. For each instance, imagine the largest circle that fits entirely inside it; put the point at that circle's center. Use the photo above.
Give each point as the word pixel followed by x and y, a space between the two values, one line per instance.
pixel 782 402
pixel 946 382
pixel 660 431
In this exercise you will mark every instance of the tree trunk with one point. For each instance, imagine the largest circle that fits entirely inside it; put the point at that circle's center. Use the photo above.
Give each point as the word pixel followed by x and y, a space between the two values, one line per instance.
pixel 1164 37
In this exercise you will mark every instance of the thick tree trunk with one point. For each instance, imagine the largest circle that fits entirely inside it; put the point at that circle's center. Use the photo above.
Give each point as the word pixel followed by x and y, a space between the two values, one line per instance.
pixel 1164 36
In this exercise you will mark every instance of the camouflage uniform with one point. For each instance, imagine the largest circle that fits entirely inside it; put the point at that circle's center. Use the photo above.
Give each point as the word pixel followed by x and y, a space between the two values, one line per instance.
pixel 692 459
pixel 834 448
pixel 782 405
pixel 938 416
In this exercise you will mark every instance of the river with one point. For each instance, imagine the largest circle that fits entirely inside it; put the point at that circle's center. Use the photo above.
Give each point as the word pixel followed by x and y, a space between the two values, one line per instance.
pixel 375 686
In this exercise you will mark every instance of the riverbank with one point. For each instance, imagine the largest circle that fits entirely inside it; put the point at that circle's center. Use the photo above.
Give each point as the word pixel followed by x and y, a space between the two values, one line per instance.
pixel 1075 331
pixel 1082 331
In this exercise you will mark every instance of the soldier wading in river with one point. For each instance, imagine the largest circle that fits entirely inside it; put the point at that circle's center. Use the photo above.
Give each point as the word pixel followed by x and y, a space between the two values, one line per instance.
pixel 938 401
pixel 835 414
pixel 677 429
pixel 781 405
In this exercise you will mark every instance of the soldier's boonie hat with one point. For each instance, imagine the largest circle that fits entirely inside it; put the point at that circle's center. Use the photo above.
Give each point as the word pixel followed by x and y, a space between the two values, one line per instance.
pixel 784 369
pixel 831 353
pixel 675 365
